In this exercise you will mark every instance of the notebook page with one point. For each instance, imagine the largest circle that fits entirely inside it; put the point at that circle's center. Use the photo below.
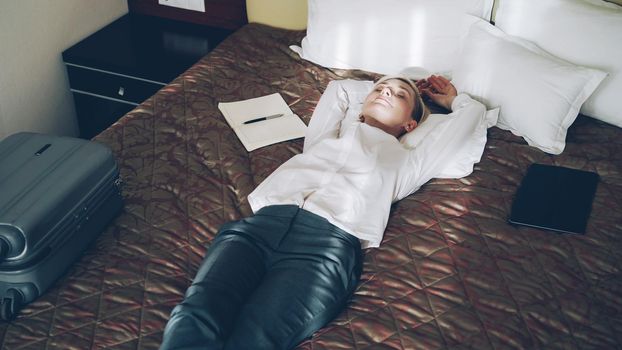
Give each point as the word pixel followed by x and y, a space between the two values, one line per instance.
pixel 238 112
pixel 271 131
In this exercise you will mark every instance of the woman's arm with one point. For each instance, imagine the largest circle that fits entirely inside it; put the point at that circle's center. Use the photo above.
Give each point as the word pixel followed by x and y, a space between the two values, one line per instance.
pixel 332 107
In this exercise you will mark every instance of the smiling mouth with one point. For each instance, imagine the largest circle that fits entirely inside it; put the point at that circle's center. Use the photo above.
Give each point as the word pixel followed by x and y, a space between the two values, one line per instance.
pixel 382 101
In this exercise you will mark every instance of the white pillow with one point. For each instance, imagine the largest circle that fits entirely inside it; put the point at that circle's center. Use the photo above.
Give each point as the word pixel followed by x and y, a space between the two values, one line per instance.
pixel 585 32
pixel 462 163
pixel 386 36
pixel 539 95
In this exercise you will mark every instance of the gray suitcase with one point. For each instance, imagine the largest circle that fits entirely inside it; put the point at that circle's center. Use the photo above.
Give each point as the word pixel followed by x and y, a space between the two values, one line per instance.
pixel 57 194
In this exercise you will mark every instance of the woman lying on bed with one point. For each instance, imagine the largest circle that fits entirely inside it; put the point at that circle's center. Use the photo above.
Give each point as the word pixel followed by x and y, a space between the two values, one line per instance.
pixel 271 280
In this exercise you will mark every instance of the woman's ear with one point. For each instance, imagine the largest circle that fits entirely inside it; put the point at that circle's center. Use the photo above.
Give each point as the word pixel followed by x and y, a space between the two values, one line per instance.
pixel 411 125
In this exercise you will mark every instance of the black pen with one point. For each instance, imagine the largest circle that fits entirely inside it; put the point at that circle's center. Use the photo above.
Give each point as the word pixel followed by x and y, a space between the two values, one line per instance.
pixel 263 118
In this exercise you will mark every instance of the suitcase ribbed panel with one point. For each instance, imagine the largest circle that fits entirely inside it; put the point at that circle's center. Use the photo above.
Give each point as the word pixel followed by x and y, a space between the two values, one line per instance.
pixel 73 222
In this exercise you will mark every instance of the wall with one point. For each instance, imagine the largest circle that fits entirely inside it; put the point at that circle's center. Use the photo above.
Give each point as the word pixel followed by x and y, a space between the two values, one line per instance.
pixel 34 91
pixel 271 12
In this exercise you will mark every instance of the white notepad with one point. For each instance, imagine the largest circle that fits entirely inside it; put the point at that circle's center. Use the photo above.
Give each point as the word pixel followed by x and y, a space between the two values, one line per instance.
pixel 264 132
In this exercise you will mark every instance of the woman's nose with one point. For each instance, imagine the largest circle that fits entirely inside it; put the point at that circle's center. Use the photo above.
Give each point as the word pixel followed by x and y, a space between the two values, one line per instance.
pixel 386 91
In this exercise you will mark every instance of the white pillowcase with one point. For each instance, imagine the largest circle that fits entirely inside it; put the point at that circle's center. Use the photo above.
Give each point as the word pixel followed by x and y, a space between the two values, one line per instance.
pixel 386 36
pixel 585 32
pixel 473 147
pixel 539 95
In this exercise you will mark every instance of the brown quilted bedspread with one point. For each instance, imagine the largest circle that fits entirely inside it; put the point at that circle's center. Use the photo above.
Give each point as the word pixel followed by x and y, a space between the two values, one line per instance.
pixel 450 274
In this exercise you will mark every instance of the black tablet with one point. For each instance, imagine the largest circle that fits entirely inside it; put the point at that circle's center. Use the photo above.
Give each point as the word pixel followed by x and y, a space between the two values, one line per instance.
pixel 554 198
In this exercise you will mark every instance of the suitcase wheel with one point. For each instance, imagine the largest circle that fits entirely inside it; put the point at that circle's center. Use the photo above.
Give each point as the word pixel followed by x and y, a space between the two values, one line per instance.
pixel 10 304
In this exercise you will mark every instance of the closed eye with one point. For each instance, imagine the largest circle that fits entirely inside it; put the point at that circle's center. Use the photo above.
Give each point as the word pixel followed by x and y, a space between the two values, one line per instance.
pixel 403 93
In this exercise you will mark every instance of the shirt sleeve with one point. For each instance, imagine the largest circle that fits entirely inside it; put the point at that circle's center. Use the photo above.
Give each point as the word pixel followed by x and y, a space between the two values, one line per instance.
pixel 332 108
pixel 432 155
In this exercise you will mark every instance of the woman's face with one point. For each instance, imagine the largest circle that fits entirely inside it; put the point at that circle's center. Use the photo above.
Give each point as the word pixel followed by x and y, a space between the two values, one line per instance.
pixel 389 107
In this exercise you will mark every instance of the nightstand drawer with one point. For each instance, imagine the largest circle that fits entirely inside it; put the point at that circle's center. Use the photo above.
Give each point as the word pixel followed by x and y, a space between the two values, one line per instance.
pixel 95 114
pixel 110 85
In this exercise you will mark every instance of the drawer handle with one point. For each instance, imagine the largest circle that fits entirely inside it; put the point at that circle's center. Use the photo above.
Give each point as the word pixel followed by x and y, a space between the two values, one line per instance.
pixel 121 91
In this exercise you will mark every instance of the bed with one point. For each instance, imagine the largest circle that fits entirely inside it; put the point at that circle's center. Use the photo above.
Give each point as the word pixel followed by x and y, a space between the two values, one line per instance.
pixel 451 273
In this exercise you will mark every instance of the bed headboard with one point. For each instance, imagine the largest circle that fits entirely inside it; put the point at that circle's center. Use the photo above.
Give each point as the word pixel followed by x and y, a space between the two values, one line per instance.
pixel 229 14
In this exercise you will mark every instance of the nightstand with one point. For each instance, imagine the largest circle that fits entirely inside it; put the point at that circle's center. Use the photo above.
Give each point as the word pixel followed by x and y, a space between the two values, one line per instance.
pixel 124 63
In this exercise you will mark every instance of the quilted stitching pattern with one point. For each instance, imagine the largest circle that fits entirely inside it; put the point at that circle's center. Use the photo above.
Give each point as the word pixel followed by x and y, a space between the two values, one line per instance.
pixel 450 274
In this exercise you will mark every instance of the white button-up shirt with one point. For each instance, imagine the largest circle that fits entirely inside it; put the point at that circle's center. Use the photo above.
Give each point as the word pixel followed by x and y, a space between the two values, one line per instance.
pixel 350 173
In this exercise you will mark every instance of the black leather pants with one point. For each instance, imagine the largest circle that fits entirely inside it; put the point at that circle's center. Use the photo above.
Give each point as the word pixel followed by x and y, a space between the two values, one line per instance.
pixel 267 282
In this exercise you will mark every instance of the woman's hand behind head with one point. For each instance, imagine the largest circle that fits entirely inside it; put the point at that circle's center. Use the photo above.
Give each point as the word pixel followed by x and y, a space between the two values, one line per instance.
pixel 438 89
